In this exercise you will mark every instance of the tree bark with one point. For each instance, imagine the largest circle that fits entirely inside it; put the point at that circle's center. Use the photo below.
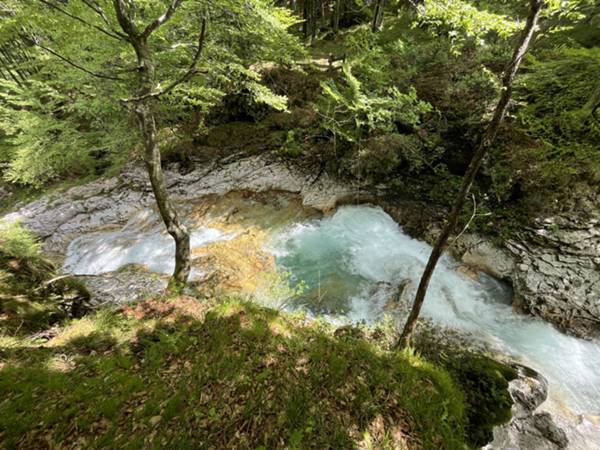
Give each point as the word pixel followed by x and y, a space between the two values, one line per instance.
pixel 145 114
pixel 378 16
pixel 337 11
pixel 486 142
pixel 144 111
pixel 305 16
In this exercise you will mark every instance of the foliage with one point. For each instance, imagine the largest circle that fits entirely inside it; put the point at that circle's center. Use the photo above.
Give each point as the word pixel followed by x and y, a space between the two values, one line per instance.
pixel 46 134
pixel 68 117
pixel 17 242
pixel 465 23
pixel 27 302
pixel 353 114
pixel 560 120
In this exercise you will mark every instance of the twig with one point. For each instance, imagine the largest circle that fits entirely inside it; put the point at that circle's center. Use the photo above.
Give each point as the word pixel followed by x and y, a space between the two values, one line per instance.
pixel 469 222
pixel 79 19
pixel 190 71
pixel 98 10
pixel 74 64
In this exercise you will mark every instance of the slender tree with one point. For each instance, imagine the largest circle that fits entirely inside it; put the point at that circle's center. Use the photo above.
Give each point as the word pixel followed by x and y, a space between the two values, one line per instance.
pixel 138 51
pixel 378 16
pixel 143 106
pixel 484 145
pixel 337 12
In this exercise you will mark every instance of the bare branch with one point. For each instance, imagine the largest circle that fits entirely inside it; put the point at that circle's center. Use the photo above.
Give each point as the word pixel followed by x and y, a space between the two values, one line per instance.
pixel 162 19
pixel 187 75
pixel 74 64
pixel 79 19
pixel 98 10
pixel 124 20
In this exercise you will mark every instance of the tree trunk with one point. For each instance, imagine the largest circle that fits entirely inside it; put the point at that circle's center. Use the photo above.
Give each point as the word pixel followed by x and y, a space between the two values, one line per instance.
pixel 305 16
pixel 337 11
pixel 144 110
pixel 469 177
pixel 313 21
pixel 378 16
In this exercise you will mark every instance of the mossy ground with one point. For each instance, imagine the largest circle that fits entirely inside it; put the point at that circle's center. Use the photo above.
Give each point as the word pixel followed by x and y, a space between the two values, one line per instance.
pixel 184 373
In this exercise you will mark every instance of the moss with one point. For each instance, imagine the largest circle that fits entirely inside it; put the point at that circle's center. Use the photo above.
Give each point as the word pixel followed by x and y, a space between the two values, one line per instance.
pixel 483 380
pixel 29 302
pixel 485 384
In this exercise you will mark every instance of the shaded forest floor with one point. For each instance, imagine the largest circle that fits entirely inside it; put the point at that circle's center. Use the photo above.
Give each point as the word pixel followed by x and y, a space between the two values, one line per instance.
pixel 192 372
pixel 184 373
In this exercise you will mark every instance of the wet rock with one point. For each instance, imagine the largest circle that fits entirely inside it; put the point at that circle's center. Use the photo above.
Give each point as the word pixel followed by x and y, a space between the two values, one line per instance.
pixel 130 284
pixel 60 217
pixel 398 298
pixel 554 267
pixel 478 251
pixel 528 429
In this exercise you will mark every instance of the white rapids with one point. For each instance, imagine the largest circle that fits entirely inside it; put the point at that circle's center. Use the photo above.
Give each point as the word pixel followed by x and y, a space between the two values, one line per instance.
pixel 344 258
pixel 362 246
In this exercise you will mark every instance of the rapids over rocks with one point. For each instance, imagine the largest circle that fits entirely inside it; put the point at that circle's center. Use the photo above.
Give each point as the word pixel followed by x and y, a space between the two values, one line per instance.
pixel 258 229
pixel 347 267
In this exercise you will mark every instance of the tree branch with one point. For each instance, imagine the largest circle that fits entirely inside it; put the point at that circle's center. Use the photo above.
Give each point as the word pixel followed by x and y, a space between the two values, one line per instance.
pixel 98 10
pixel 161 19
pixel 125 21
pixel 79 19
pixel 74 64
pixel 188 74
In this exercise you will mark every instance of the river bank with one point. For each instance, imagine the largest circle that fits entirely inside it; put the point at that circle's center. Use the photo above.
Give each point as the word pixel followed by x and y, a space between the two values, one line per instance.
pixel 105 206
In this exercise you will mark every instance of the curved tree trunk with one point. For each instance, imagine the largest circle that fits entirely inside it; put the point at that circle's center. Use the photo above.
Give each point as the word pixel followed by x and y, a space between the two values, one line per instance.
pixel 145 114
pixel 144 111
pixel 175 227
pixel 469 177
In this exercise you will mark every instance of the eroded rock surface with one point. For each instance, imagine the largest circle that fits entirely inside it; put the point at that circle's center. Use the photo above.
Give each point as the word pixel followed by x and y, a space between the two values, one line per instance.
pixel 557 275
pixel 529 429
pixel 58 218
pixel 554 268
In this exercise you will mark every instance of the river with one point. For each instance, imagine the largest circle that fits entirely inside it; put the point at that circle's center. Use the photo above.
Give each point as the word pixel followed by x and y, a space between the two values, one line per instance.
pixel 348 263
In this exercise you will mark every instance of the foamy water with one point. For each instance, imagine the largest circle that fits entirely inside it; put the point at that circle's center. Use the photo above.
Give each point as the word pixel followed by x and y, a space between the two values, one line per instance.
pixel 351 262
pixel 360 248
pixel 143 240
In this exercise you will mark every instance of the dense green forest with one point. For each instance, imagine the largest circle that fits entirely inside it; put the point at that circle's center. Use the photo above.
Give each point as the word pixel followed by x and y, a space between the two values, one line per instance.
pixel 482 116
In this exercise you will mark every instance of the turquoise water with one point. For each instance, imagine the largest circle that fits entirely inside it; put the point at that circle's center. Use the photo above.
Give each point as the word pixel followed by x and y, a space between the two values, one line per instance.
pixel 352 261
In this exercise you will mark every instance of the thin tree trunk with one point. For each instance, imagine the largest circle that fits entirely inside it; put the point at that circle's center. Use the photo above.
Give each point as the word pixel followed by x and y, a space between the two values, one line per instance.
pixel 378 16
pixel 337 11
pixel 469 177
pixel 144 110
pixel 305 16
pixel 313 21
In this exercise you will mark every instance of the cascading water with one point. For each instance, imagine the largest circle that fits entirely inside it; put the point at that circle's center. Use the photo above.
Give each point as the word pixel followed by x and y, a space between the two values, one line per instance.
pixel 344 258
pixel 141 241
pixel 351 262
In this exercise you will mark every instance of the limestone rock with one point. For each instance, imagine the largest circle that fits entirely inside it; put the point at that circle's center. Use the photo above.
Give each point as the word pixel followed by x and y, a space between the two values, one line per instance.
pixel 477 251
pixel 528 429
